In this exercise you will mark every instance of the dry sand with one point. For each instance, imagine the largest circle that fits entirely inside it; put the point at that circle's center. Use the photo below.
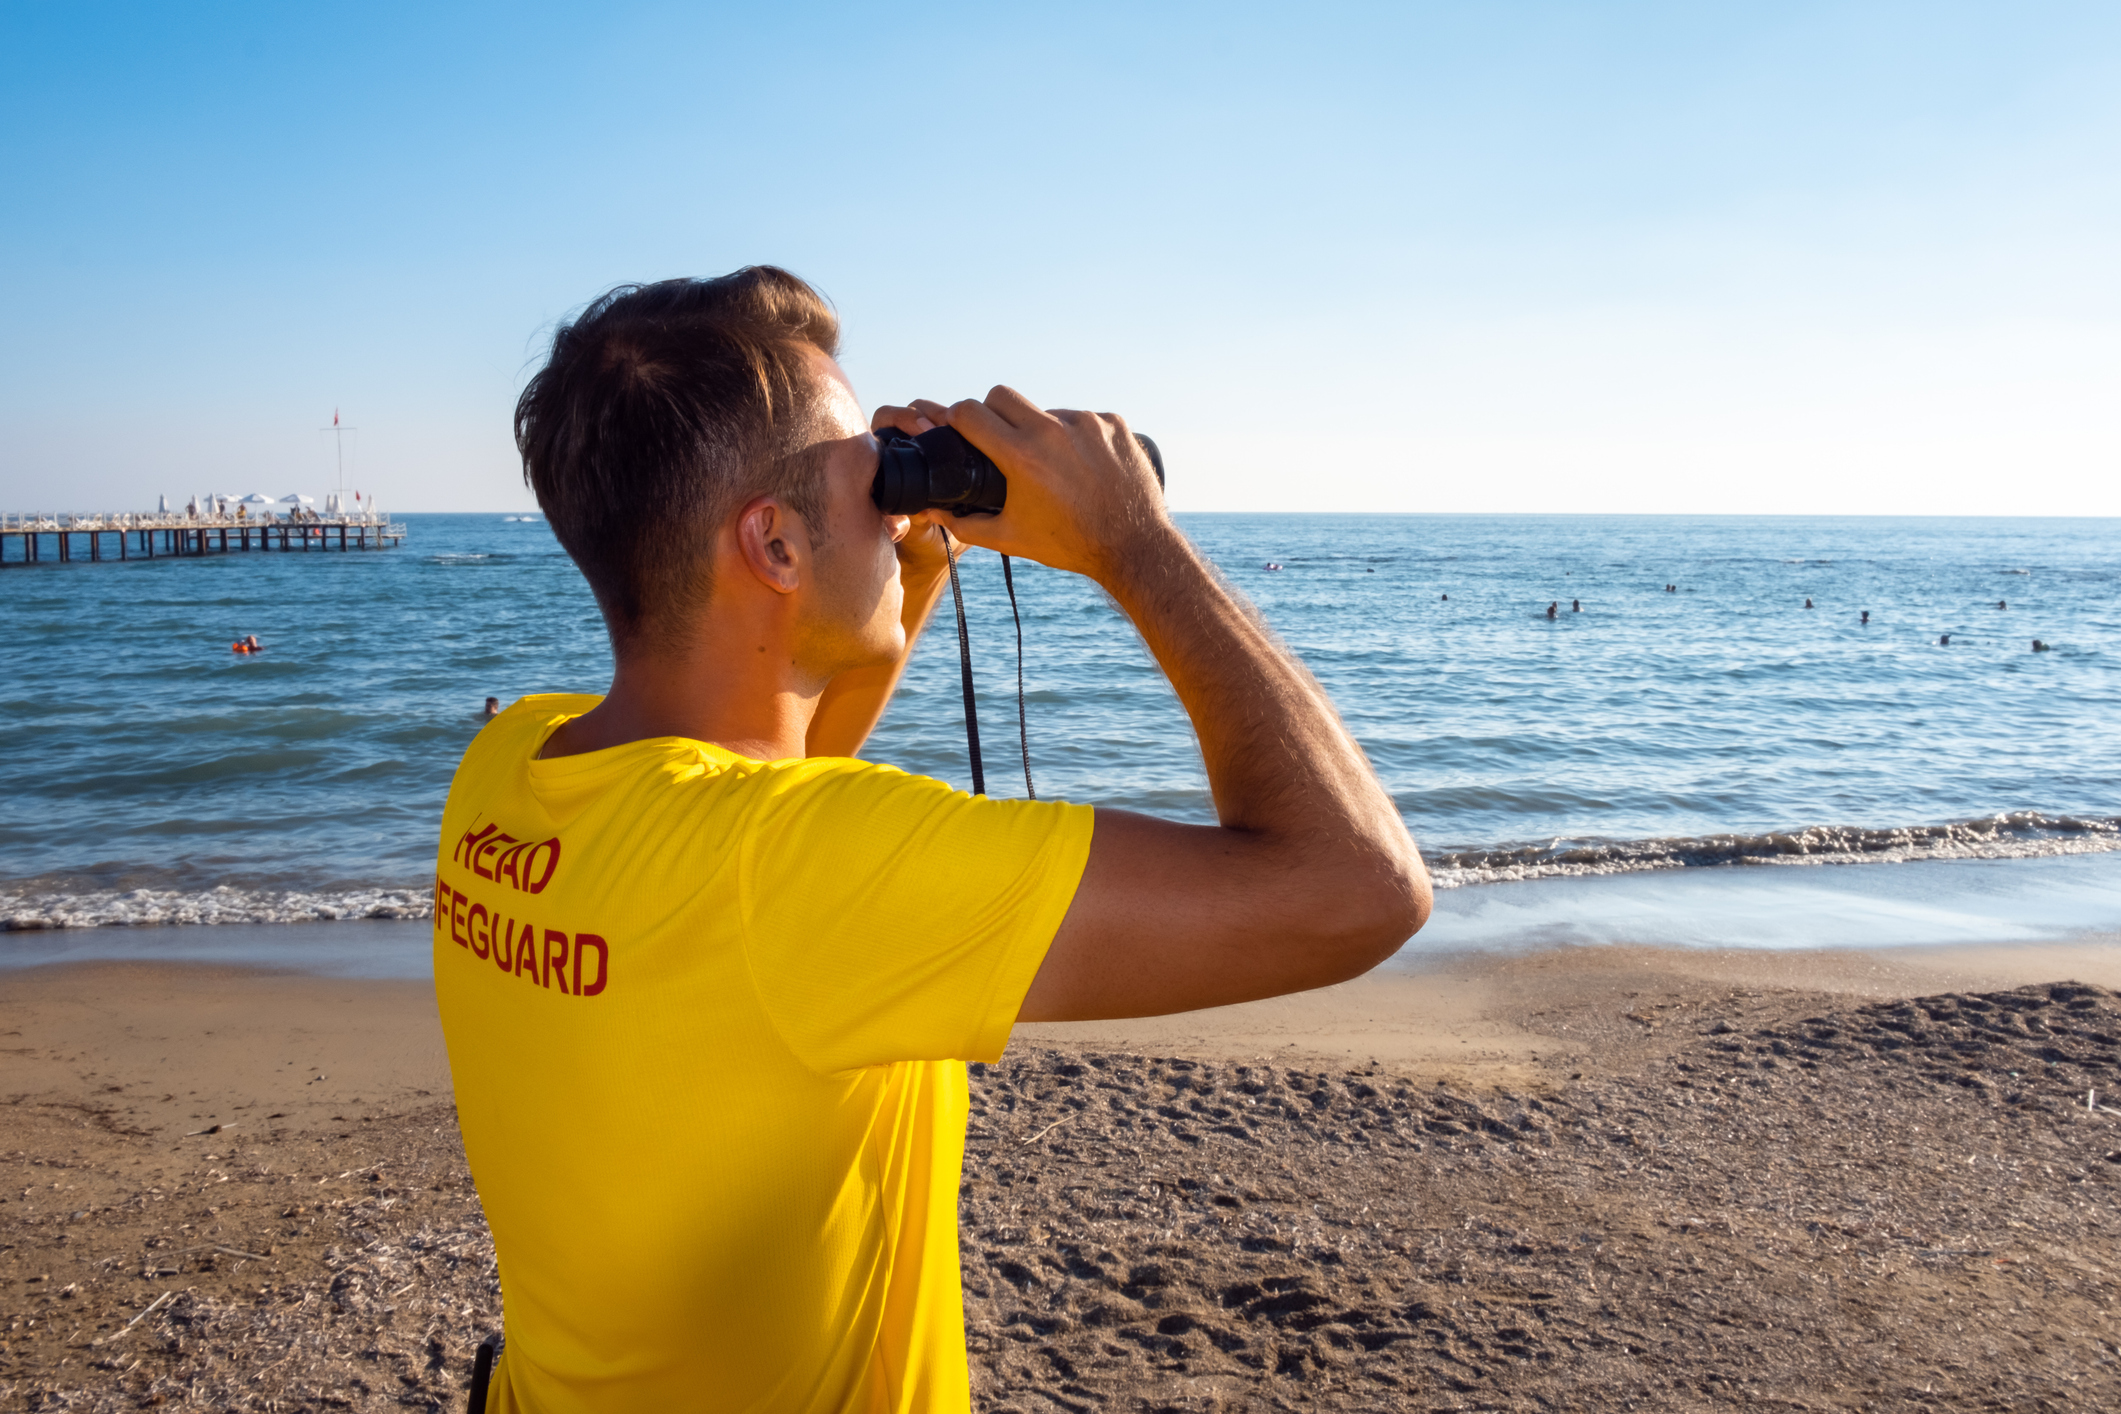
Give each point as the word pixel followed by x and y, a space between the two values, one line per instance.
pixel 1592 1179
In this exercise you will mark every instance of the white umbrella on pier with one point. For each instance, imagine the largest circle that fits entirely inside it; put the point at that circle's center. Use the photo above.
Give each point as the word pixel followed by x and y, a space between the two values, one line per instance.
pixel 297 498
pixel 255 499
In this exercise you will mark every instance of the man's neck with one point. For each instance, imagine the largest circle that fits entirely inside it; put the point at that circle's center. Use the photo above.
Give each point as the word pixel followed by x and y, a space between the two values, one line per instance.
pixel 757 708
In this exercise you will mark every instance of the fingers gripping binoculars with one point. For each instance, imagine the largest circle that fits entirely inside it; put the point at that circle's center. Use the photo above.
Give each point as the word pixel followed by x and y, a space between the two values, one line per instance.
pixel 940 469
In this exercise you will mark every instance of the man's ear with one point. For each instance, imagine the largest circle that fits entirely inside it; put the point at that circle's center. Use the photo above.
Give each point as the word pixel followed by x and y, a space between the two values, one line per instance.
pixel 774 543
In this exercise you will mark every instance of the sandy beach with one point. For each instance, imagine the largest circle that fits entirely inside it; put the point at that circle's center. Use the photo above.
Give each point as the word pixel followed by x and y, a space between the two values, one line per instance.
pixel 1606 1178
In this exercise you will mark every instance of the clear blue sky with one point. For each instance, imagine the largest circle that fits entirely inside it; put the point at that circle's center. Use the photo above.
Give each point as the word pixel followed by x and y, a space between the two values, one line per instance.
pixel 1474 256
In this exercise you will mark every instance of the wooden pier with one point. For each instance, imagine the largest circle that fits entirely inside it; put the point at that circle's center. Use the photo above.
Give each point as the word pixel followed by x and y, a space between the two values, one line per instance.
pixel 151 535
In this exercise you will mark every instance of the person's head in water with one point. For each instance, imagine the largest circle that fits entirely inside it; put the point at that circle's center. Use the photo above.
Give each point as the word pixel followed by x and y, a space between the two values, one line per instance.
pixel 1807 603
pixel 1576 606
pixel 1945 642
pixel 1554 609
pixel 2038 646
pixel 1866 616
pixel 493 707
pixel 2001 604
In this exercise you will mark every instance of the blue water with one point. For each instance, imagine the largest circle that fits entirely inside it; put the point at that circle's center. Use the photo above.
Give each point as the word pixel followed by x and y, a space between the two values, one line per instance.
pixel 157 777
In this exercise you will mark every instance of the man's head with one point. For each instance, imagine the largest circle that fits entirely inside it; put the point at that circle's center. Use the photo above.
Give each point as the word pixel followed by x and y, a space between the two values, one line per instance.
pixel 664 411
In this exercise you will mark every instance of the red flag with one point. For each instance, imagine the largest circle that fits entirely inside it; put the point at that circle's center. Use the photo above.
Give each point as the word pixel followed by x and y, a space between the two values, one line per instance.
pixel 335 417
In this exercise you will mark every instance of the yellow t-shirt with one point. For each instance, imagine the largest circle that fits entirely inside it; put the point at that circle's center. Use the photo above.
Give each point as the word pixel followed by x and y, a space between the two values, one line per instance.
pixel 708 1019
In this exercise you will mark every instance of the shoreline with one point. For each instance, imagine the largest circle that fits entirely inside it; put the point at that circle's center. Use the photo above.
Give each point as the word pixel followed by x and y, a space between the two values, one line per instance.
pixel 1667 891
pixel 1902 911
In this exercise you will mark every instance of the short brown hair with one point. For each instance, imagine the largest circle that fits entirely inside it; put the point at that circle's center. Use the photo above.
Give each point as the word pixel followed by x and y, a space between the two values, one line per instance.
pixel 662 409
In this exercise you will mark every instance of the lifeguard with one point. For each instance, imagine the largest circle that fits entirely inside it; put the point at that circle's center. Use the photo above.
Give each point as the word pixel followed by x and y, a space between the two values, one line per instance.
pixel 710 980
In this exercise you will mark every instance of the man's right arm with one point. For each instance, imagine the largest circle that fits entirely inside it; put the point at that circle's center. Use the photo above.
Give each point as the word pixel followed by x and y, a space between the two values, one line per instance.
pixel 1309 877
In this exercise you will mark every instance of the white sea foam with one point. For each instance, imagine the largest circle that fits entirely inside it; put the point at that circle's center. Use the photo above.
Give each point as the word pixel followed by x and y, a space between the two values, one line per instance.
pixel 22 908
pixel 2024 834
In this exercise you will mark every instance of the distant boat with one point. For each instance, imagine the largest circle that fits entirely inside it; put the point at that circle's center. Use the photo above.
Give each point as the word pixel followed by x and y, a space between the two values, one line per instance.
pixel 526 520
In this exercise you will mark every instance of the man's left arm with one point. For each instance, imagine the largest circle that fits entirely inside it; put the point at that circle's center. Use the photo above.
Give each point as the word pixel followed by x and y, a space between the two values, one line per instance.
pixel 854 702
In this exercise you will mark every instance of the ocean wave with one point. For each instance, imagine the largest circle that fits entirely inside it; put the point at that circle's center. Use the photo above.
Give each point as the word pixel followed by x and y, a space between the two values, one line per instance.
pixel 33 907
pixel 2021 834
pixel 78 903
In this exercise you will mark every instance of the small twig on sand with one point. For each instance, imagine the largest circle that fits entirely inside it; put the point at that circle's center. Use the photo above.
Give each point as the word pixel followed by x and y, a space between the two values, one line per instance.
pixel 151 1308
pixel 217 1247
pixel 260 1374
pixel 1048 1129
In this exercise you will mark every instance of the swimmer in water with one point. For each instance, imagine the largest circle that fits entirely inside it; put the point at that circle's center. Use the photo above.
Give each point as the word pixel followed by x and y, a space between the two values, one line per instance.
pixel 1866 615
pixel 2001 605
pixel 493 708
pixel 1447 598
pixel 1945 642
pixel 1807 603
pixel 2039 647
pixel 1554 609
pixel 1576 606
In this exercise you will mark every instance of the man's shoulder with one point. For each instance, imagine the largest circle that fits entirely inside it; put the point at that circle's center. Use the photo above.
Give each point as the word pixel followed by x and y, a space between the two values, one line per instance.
pixel 882 803
pixel 507 741
pixel 847 779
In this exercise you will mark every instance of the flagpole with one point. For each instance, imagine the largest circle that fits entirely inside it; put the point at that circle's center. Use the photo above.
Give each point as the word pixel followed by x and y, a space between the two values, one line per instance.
pixel 338 440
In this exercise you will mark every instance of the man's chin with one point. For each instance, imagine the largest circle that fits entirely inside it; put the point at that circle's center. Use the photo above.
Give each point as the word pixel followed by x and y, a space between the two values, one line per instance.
pixel 883 653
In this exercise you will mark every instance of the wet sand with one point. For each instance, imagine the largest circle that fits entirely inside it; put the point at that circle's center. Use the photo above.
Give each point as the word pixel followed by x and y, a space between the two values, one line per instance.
pixel 1583 1179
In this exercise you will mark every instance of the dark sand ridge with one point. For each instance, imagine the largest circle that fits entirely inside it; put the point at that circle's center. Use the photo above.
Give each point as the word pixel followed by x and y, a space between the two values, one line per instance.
pixel 1401 1215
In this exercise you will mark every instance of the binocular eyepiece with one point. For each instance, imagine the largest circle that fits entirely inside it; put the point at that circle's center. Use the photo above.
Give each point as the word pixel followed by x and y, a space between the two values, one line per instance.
pixel 940 469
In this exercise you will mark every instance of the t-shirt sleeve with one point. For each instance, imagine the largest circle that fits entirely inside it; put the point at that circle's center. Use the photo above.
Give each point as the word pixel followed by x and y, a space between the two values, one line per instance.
pixel 891 917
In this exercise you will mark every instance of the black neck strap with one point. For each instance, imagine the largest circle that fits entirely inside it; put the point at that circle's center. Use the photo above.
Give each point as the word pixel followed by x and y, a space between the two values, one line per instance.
pixel 964 658
pixel 1023 725
pixel 964 661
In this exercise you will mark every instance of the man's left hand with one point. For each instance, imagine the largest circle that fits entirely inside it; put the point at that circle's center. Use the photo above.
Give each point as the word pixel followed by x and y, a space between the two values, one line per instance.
pixel 921 553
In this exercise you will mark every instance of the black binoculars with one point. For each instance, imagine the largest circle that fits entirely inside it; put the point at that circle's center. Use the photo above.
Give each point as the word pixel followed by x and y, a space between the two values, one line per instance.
pixel 939 468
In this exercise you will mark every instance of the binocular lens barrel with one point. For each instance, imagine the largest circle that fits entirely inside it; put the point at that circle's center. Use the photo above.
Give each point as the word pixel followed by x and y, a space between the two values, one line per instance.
pixel 939 468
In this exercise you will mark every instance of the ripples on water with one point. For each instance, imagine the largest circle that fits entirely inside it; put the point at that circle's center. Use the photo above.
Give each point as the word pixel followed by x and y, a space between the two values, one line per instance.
pixel 158 777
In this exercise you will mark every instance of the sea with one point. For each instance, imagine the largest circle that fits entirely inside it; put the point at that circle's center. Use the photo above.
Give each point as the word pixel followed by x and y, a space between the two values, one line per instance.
pixel 1695 731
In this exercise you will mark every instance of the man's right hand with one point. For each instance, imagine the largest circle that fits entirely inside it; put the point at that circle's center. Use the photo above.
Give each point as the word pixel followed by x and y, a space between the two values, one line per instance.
pixel 1082 495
